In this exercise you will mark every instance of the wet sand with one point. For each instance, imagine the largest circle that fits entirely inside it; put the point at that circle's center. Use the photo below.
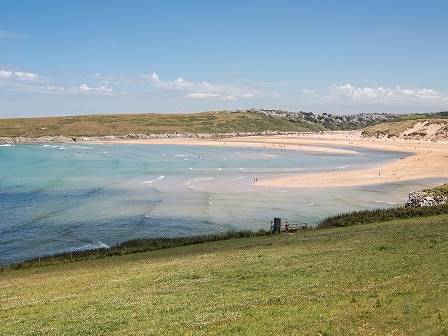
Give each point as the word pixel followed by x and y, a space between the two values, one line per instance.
pixel 428 159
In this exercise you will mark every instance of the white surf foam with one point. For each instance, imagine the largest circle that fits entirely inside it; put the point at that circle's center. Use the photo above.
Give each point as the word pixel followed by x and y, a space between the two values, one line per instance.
pixel 385 202
pixel 93 246
pixel 189 183
pixel 6 145
pixel 155 180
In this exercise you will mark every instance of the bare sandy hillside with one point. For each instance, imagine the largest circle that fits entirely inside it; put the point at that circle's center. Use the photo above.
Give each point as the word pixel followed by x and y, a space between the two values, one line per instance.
pixel 420 129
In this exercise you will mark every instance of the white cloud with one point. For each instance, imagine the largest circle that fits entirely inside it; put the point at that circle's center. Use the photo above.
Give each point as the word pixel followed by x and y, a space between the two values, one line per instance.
pixel 7 35
pixel 18 75
pixel 386 95
pixel 205 95
pixel 201 95
pixel 84 88
pixel 201 90
pixel 20 80
pixel 30 82
pixel 309 92
pixel 26 76
pixel 155 77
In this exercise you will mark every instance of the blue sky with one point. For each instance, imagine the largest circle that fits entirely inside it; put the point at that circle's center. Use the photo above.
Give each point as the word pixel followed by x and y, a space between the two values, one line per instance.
pixel 82 57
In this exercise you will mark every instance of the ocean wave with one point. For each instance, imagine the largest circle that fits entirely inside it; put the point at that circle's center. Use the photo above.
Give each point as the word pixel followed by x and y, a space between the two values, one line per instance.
pixel 188 184
pixel 6 145
pixel 385 202
pixel 155 180
pixel 93 246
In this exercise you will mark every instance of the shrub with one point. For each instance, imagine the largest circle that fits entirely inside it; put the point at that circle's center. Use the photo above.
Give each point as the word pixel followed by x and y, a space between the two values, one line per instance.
pixel 381 215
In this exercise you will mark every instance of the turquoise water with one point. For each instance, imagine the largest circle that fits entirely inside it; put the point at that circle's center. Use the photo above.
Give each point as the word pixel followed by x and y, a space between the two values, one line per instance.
pixel 57 198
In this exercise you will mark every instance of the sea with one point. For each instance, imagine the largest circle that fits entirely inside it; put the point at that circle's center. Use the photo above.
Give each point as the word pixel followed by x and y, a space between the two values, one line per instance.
pixel 61 197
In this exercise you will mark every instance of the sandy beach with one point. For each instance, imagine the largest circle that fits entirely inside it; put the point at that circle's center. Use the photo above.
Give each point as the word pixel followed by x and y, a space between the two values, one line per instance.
pixel 428 159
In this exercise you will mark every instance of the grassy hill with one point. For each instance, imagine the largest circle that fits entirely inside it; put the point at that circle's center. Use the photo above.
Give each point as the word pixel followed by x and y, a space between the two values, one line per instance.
pixel 100 125
pixel 386 278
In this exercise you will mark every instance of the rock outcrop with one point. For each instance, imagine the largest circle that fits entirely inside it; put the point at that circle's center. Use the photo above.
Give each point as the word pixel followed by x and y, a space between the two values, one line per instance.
pixel 423 198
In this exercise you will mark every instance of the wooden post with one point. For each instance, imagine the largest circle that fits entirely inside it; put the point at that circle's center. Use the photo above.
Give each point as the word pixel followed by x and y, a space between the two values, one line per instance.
pixel 277 224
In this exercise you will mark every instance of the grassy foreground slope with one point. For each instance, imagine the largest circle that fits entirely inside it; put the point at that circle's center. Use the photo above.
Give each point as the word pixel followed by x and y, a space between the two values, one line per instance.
pixel 386 278
pixel 122 124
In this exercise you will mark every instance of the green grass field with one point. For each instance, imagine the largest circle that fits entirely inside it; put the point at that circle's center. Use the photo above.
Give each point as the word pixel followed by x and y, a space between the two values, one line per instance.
pixel 387 278
pixel 122 124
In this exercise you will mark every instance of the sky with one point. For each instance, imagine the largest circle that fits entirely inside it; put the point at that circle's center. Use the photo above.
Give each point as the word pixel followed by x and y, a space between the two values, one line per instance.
pixel 86 57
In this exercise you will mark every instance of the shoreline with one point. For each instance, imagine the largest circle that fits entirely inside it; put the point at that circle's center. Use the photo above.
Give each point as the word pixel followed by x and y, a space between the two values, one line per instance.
pixel 151 244
pixel 427 159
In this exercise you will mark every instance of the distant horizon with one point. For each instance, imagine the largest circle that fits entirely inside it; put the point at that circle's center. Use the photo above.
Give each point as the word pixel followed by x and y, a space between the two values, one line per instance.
pixel 345 57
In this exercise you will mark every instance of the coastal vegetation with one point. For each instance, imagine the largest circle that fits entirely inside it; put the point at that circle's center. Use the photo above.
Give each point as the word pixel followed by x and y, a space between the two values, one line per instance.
pixel 441 190
pixel 160 243
pixel 413 116
pixel 131 247
pixel 217 122
pixel 381 215
pixel 123 124
pixel 383 278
